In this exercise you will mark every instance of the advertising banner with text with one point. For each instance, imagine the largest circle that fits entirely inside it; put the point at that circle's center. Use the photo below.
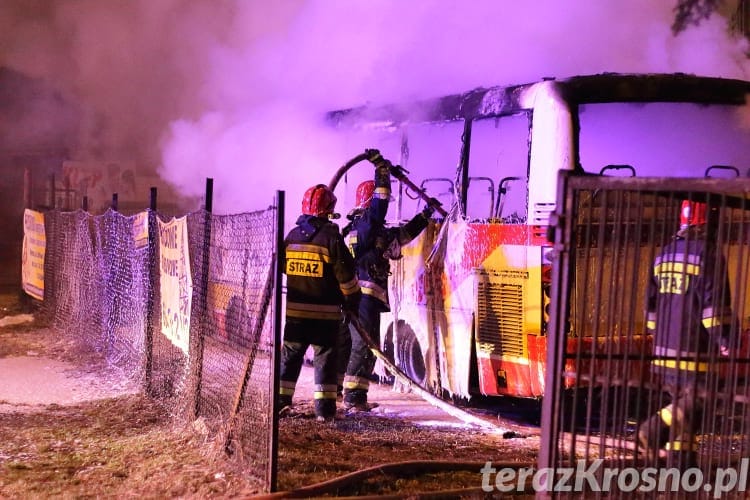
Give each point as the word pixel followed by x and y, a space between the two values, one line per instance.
pixel 176 283
pixel 32 254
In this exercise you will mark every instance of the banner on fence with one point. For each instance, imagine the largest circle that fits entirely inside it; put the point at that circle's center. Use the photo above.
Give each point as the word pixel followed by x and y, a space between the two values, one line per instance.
pixel 176 283
pixel 32 254
pixel 140 229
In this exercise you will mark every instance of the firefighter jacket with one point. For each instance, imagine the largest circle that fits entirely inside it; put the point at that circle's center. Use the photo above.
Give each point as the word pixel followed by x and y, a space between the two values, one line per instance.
pixel 320 270
pixel 374 245
pixel 689 305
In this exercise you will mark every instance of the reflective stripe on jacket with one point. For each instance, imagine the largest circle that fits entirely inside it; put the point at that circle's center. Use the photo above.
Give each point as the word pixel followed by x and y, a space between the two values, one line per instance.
pixel 688 303
pixel 373 244
pixel 319 270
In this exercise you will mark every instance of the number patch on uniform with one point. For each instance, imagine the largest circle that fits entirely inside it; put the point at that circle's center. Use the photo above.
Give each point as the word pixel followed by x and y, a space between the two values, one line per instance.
pixel 299 267
pixel 673 283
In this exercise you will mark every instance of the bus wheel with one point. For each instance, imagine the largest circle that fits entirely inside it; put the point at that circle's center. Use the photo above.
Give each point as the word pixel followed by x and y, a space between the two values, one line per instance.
pixel 410 356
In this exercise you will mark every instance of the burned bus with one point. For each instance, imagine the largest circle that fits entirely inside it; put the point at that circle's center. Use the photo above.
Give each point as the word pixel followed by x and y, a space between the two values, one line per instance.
pixel 470 296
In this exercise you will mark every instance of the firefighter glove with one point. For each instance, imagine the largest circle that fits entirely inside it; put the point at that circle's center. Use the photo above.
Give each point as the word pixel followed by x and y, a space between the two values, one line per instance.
pixel 432 203
pixel 382 171
pixel 374 157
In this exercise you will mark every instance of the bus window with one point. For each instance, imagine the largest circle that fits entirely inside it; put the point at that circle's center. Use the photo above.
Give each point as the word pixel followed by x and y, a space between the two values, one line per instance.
pixel 663 139
pixel 499 152
pixel 387 141
pixel 434 154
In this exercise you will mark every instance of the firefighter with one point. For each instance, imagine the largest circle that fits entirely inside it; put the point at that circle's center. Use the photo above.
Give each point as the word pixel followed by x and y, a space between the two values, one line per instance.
pixel 689 315
pixel 373 246
pixel 320 281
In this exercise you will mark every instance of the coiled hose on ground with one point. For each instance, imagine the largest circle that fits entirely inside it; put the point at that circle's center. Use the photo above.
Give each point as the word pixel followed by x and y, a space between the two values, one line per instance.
pixel 403 469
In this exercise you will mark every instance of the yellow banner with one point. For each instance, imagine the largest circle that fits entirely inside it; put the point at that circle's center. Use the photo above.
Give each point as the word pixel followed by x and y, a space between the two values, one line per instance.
pixel 176 283
pixel 32 255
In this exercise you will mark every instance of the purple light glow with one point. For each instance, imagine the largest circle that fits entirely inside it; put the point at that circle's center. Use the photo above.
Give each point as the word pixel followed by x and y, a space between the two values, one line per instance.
pixel 234 89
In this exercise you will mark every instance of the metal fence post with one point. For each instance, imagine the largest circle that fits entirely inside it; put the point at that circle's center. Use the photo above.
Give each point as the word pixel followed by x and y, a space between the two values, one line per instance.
pixel 276 361
pixel 556 334
pixel 52 194
pixel 28 188
pixel 151 294
pixel 198 343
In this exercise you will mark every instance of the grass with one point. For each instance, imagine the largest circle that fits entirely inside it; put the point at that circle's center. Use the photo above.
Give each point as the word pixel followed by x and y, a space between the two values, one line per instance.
pixel 130 447
pixel 121 447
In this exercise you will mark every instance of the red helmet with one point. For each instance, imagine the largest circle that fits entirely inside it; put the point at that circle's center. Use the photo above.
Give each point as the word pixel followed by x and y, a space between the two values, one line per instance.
pixel 364 194
pixel 692 213
pixel 318 201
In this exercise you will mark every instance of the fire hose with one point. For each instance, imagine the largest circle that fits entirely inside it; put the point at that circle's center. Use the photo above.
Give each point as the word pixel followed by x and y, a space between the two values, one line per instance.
pixel 414 467
pixel 396 171
pixel 400 173
pixel 394 370
pixel 405 469
pixel 400 469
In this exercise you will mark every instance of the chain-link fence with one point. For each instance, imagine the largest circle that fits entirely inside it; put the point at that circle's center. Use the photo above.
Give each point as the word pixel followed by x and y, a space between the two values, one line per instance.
pixel 188 307
pixel 648 351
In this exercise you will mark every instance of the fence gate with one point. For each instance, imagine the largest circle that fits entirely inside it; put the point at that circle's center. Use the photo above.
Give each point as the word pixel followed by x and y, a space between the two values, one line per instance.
pixel 612 377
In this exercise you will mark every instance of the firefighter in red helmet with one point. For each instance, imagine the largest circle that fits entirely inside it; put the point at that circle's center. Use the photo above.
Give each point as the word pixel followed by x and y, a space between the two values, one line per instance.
pixel 373 245
pixel 689 315
pixel 320 281
pixel 363 197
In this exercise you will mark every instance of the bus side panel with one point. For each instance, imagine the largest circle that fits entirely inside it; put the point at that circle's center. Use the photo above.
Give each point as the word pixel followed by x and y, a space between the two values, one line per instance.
pixel 509 311
pixel 433 306
pixel 619 360
pixel 503 376
pixel 454 353
pixel 453 294
pixel 483 287
pixel 537 348
pixel 414 292
pixel 533 329
pixel 218 300
pixel 482 278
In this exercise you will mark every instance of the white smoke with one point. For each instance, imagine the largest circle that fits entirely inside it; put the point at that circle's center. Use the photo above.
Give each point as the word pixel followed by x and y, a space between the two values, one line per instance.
pixel 235 89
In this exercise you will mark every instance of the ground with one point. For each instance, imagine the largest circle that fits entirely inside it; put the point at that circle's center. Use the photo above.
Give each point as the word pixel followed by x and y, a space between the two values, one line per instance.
pixel 71 426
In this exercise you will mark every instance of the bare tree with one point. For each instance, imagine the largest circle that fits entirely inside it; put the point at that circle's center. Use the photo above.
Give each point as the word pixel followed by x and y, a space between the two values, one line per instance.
pixel 692 12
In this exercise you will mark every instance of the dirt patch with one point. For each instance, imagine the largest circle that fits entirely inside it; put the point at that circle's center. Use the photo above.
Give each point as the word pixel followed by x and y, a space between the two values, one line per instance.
pixel 27 381
pixel 79 429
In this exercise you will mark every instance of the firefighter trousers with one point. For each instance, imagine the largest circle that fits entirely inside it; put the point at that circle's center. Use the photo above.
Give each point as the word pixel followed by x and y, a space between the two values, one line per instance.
pixel 362 360
pixel 323 335
pixel 673 428
pixel 344 348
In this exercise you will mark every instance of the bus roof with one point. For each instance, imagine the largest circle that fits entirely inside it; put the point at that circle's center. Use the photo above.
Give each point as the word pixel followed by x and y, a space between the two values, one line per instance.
pixel 588 89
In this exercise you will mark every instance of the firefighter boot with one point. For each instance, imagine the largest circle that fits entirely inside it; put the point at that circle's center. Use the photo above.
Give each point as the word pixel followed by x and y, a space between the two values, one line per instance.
pixel 652 436
pixel 284 403
pixel 355 401
pixel 325 409
pixel 354 408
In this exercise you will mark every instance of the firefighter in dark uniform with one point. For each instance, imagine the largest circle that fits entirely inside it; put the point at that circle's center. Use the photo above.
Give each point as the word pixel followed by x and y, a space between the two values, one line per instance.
pixel 373 245
pixel 320 281
pixel 689 315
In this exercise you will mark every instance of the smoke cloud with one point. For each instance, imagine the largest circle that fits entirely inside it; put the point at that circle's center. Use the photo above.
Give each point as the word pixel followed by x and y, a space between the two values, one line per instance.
pixel 235 89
